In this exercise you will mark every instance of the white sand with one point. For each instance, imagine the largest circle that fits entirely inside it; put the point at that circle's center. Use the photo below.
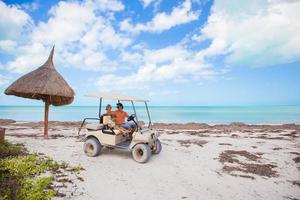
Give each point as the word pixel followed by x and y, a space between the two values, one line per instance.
pixel 178 172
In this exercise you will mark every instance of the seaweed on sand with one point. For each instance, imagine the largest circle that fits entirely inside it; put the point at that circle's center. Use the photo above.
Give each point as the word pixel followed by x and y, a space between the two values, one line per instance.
pixel 232 164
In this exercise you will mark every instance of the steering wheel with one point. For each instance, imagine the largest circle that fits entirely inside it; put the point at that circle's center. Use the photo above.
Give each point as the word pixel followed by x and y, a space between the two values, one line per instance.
pixel 132 118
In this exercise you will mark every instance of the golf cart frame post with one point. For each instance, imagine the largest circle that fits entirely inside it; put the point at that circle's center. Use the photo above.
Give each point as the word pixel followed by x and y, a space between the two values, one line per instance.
pixel 150 123
pixel 100 105
pixel 134 112
pixel 118 98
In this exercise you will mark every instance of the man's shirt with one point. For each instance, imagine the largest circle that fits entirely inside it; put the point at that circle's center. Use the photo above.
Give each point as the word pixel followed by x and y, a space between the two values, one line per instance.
pixel 120 116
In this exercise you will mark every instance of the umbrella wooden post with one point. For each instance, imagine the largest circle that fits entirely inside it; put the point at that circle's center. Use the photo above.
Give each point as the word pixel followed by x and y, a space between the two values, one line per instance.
pixel 46 119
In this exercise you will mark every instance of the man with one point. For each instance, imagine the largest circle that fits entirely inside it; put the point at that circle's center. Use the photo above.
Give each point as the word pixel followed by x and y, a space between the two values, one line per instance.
pixel 120 118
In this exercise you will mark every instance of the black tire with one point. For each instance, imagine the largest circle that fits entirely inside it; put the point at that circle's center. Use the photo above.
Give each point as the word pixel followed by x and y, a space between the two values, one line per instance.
pixel 92 147
pixel 141 153
pixel 157 147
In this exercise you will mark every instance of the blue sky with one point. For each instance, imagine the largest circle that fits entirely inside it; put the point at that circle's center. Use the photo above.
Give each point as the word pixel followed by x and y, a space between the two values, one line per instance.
pixel 190 52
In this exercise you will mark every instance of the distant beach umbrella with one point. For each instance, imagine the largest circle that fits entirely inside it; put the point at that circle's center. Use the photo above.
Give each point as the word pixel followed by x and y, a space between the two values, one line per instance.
pixel 46 84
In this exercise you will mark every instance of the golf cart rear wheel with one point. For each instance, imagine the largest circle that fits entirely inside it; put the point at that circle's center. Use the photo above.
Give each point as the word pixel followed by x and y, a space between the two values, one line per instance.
pixel 141 153
pixel 157 147
pixel 92 147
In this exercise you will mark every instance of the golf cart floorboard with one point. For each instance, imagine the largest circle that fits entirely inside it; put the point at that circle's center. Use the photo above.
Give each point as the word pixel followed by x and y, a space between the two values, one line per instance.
pixel 122 145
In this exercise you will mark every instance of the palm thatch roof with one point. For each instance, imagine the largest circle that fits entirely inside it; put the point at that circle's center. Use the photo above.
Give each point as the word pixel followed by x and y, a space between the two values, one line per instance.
pixel 44 83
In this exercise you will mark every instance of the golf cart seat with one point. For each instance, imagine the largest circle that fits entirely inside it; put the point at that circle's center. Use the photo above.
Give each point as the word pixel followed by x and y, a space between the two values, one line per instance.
pixel 94 127
pixel 107 120
pixel 108 125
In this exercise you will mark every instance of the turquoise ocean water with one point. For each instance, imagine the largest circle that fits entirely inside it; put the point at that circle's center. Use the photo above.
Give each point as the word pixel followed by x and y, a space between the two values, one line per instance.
pixel 182 114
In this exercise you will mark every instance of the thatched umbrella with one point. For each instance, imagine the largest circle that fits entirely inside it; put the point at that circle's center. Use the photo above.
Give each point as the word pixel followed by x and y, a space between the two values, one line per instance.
pixel 46 84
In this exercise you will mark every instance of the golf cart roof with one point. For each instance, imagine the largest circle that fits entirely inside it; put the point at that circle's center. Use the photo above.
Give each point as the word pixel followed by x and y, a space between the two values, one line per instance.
pixel 112 96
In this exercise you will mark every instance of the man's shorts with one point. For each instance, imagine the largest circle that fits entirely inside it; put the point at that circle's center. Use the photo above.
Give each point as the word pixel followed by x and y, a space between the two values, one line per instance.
pixel 128 125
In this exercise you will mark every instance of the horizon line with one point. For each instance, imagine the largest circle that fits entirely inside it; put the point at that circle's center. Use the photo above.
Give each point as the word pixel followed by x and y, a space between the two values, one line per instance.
pixel 229 105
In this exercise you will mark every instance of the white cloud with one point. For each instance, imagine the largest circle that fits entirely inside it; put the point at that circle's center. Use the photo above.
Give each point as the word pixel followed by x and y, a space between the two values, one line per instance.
pixel 13 21
pixel 30 6
pixel 131 57
pixel 155 3
pixel 3 80
pixel 163 93
pixel 108 5
pixel 79 21
pixel 146 3
pixel 8 45
pixel 165 54
pixel 108 37
pixel 173 64
pixel 162 21
pixel 86 59
pixel 33 55
pixel 101 34
pixel 68 22
pixel 253 33
pixel 83 35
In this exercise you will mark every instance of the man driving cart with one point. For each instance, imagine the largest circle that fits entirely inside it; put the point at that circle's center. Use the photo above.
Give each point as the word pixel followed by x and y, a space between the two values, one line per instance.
pixel 120 116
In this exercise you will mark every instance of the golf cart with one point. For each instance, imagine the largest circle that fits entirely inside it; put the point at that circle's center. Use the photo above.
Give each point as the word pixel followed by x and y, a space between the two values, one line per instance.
pixel 143 141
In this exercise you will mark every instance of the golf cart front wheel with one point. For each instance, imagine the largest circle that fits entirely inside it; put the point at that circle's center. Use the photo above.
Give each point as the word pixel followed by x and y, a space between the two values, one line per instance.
pixel 157 147
pixel 141 153
pixel 92 147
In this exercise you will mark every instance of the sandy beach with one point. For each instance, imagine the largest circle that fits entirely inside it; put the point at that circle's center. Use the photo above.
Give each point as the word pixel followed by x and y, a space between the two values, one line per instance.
pixel 198 161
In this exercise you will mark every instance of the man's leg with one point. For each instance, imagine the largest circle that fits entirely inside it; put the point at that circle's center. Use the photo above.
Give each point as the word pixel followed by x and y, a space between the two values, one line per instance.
pixel 132 124
pixel 125 125
pixel 128 125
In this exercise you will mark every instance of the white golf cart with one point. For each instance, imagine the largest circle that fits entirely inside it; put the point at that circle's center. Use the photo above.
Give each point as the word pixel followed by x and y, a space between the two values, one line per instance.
pixel 143 141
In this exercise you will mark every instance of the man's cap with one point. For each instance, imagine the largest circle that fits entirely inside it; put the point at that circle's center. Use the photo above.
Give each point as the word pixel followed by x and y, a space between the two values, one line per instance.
pixel 120 104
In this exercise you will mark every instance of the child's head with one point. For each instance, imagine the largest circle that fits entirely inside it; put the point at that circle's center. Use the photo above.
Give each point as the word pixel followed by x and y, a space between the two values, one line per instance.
pixel 108 107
